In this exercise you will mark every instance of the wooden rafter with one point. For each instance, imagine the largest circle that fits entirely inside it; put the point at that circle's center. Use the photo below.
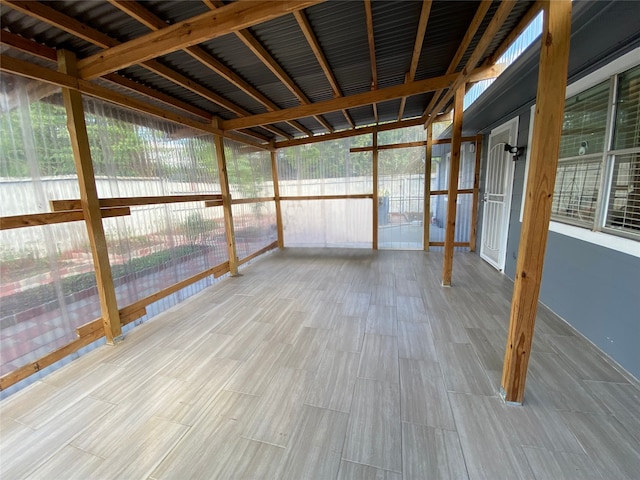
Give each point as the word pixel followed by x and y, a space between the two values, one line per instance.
pixel 305 26
pixel 519 28
pixel 70 25
pixel 372 53
pixel 462 48
pixel 357 100
pixel 349 133
pixel 150 20
pixel 417 49
pixel 43 74
pixel 267 59
pixel 207 26
pixel 498 19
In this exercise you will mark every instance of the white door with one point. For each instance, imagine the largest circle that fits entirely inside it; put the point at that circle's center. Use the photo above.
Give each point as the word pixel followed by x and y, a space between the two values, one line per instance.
pixel 497 194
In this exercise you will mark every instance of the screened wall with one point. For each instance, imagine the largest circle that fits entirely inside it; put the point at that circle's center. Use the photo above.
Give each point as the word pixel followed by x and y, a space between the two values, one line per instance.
pixel 163 247
pixel 308 172
pixel 48 293
pixel 48 280
pixel 251 184
pixel 157 245
pixel 440 166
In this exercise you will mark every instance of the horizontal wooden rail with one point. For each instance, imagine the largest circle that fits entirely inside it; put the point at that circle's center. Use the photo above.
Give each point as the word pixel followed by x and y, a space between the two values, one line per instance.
pixel 420 143
pixel 329 197
pixel 96 324
pixel 25 371
pixel 213 203
pixel 455 244
pixel 445 192
pixel 258 253
pixel 239 201
pixel 58 205
pixel 216 271
pixel 49 218
pixel 92 331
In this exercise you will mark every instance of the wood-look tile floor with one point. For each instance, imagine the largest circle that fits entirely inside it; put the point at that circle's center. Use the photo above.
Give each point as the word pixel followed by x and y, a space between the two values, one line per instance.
pixel 330 364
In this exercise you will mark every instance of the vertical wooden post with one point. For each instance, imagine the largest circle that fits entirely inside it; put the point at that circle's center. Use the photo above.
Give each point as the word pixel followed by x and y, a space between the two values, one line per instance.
pixel 545 147
pixel 426 222
pixel 476 192
pixel 375 188
pixel 226 201
pixel 90 202
pixel 452 194
pixel 276 194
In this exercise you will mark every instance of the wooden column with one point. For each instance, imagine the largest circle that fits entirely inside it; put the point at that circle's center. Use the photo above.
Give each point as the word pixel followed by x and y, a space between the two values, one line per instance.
pixel 226 202
pixel 90 202
pixel 428 150
pixel 375 188
pixel 476 191
pixel 545 146
pixel 452 195
pixel 276 194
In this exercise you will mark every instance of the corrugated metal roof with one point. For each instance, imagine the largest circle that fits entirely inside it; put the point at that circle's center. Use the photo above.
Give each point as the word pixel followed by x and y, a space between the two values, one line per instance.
pixel 341 30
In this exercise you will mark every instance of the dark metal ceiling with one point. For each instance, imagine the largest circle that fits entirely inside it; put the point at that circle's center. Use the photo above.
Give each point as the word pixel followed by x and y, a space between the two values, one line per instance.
pixel 340 26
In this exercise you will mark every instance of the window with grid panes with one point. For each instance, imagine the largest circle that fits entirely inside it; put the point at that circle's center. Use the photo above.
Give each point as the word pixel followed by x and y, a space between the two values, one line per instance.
pixel 623 212
pixel 598 176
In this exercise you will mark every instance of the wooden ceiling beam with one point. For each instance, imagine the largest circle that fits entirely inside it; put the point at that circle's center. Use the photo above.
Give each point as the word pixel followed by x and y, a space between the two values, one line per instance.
pixel 43 74
pixel 349 133
pixel 417 49
pixel 312 40
pixel 498 19
pixel 46 53
pixel 28 46
pixel 70 25
pixel 462 48
pixel 209 25
pixel 265 57
pixel 267 60
pixel 372 53
pixel 152 21
pixel 357 100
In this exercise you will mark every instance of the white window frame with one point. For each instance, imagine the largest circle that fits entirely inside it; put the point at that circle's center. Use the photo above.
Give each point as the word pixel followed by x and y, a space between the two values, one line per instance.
pixel 602 238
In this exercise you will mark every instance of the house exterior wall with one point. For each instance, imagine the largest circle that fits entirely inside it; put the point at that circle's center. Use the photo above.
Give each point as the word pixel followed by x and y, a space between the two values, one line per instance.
pixel 594 288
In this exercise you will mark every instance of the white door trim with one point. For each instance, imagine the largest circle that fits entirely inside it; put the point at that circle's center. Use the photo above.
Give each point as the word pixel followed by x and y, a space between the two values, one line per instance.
pixel 512 127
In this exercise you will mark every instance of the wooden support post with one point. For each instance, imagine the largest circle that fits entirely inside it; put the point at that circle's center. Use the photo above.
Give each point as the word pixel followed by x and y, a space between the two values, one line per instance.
pixel 476 193
pixel 276 194
pixel 426 222
pixel 374 174
pixel 452 194
pixel 90 202
pixel 545 146
pixel 226 202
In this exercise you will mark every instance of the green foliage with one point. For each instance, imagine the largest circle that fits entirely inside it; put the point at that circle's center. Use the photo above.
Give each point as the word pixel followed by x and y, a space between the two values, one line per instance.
pixel 43 294
pixel 198 229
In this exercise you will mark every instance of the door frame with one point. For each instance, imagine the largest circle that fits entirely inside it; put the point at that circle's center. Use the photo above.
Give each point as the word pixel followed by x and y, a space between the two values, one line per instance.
pixel 512 126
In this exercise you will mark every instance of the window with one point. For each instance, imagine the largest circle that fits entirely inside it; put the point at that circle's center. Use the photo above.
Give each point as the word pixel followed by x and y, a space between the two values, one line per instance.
pixel 598 177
